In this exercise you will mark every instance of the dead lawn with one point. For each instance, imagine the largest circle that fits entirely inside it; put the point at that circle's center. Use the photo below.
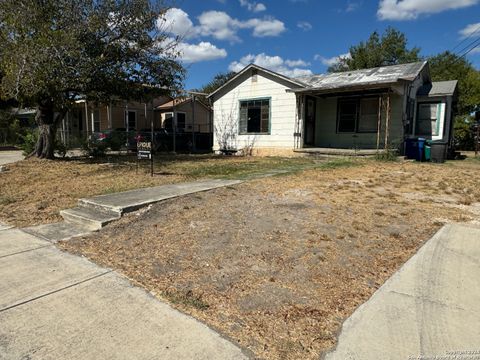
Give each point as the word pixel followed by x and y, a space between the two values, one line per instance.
pixel 34 191
pixel 278 264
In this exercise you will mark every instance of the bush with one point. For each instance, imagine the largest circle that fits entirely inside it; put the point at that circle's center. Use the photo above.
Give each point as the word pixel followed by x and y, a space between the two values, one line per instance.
pixel 29 141
pixel 94 148
pixel 387 155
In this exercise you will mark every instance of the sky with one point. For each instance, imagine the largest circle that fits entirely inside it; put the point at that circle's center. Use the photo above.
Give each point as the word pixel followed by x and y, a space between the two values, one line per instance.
pixel 301 37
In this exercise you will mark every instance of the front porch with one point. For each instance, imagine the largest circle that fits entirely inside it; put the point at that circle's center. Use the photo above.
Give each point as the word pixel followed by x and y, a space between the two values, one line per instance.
pixel 323 151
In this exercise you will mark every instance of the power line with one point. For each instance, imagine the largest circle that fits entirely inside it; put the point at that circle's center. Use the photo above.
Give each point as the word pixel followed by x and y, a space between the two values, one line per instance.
pixel 472 48
pixel 468 46
pixel 468 37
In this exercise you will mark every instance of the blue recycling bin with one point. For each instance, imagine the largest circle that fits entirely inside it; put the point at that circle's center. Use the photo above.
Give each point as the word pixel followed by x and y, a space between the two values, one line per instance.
pixel 420 149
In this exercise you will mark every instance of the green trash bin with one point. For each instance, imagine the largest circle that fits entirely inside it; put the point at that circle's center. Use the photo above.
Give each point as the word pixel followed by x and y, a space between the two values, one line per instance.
pixel 428 151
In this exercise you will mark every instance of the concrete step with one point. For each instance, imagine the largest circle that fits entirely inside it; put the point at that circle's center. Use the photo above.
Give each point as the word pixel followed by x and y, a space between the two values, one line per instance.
pixel 89 217
pixel 58 231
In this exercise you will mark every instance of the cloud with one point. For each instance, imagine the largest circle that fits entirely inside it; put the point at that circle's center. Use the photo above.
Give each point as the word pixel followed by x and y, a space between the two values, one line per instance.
pixel 469 30
pixel 189 52
pixel 352 6
pixel 217 24
pixel 291 68
pixel 253 6
pixel 304 25
pixel 203 51
pixel 332 60
pixel 412 9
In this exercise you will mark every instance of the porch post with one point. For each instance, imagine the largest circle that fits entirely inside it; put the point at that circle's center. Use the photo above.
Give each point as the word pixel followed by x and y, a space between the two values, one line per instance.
pixel 109 115
pixel 379 123
pixel 298 140
pixel 86 119
pixel 387 121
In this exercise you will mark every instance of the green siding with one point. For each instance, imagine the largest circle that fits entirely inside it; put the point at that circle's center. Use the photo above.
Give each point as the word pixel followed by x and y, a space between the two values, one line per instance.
pixel 326 127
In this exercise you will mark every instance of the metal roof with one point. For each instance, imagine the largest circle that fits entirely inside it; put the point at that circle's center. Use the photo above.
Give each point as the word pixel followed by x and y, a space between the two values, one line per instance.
pixel 438 88
pixel 380 75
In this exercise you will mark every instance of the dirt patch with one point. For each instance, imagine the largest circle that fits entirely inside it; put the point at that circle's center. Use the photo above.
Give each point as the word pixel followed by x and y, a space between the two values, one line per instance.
pixel 278 264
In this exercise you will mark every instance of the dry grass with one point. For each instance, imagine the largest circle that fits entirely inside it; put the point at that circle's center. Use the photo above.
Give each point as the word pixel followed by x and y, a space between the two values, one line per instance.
pixel 34 191
pixel 277 264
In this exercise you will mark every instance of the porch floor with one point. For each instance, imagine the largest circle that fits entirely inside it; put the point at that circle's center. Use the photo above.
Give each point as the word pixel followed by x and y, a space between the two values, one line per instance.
pixel 338 151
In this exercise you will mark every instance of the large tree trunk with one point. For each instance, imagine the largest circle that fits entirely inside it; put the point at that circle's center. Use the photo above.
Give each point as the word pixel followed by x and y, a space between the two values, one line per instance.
pixel 47 122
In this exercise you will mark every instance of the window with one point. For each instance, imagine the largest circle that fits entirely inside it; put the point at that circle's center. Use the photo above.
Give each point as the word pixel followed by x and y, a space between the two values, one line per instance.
pixel 181 121
pixel 368 117
pixel 358 115
pixel 427 120
pixel 347 115
pixel 96 120
pixel 255 116
pixel 131 120
pixel 168 121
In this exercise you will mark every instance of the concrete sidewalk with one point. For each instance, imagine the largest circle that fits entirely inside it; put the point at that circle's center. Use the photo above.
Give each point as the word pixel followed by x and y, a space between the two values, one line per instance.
pixel 54 305
pixel 8 157
pixel 429 308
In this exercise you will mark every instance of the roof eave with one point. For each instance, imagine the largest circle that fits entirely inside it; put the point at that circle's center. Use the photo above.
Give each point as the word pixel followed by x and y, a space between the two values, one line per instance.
pixel 248 67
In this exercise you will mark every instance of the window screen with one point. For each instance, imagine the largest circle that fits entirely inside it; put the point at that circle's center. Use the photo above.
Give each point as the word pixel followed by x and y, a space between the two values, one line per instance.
pixel 347 115
pixel 254 117
pixel 368 117
pixel 427 120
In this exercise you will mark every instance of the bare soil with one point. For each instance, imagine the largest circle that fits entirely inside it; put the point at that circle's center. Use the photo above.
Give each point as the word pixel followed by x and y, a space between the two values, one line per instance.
pixel 277 264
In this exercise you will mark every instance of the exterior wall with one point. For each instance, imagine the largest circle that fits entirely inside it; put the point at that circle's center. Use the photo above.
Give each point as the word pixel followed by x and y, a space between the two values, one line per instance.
pixel 282 113
pixel 202 117
pixel 326 134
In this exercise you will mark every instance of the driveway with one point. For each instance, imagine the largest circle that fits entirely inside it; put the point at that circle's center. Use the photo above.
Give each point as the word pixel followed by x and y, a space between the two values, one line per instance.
pixel 430 309
pixel 54 305
pixel 7 157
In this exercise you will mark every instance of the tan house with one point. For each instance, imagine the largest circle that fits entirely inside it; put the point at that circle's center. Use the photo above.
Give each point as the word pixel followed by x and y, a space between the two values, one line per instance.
pixel 189 115
pixel 88 117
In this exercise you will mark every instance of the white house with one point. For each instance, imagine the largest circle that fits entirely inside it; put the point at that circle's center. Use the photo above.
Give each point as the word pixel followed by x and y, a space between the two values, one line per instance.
pixel 363 110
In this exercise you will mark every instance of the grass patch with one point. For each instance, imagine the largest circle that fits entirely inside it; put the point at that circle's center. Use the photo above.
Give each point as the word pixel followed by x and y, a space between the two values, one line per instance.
pixel 6 200
pixel 187 299
pixel 339 163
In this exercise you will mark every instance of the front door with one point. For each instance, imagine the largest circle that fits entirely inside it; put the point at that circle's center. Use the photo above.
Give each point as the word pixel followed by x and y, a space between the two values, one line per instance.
pixel 310 121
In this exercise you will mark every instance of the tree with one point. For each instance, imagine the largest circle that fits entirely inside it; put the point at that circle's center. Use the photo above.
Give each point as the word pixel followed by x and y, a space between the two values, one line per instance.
pixel 55 51
pixel 448 66
pixel 389 49
pixel 217 81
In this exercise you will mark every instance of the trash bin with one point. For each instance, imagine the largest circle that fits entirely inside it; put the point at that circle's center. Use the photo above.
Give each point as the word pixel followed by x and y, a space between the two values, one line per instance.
pixel 420 149
pixel 428 151
pixel 411 148
pixel 438 152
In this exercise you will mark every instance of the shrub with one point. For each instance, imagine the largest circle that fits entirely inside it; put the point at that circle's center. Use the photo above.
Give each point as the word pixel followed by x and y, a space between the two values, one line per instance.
pixel 29 141
pixel 94 148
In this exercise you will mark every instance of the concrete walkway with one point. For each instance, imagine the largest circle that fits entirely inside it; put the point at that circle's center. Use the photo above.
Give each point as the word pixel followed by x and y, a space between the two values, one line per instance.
pixel 54 305
pixel 7 157
pixel 94 213
pixel 429 308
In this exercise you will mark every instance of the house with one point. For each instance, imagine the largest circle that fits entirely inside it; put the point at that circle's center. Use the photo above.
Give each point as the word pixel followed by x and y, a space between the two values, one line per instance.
pixel 364 110
pixel 88 117
pixel 189 115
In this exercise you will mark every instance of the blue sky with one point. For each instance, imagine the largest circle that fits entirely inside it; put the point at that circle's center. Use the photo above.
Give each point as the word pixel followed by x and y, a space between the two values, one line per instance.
pixel 298 37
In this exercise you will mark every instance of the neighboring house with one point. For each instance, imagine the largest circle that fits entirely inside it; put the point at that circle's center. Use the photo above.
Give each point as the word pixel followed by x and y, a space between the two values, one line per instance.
pixel 365 109
pixel 88 117
pixel 181 111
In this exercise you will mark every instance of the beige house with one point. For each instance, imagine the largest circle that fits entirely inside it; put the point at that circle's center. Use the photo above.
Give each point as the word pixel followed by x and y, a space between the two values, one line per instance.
pixel 88 117
pixel 187 114
pixel 354 111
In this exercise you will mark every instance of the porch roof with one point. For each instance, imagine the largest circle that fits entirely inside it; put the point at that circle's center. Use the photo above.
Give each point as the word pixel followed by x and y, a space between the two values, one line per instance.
pixel 375 78
pixel 438 88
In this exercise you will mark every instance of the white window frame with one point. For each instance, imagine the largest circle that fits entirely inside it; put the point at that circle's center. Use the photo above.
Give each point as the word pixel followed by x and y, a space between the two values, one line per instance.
pixel 126 119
